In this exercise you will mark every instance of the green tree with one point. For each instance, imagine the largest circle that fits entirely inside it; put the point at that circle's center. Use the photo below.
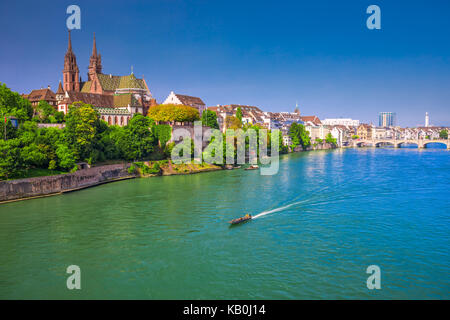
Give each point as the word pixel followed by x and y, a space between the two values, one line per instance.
pixel 232 123
pixel 330 139
pixel 299 135
pixel 209 118
pixel 163 133
pixel 239 114
pixel 173 112
pixel 136 141
pixel 11 162
pixel 12 104
pixel 45 111
pixel 82 122
pixel 66 157
pixel 443 134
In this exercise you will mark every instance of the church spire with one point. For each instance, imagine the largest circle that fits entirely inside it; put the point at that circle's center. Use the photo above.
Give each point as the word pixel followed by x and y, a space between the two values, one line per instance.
pixel 94 48
pixel 69 46
pixel 71 79
pixel 95 62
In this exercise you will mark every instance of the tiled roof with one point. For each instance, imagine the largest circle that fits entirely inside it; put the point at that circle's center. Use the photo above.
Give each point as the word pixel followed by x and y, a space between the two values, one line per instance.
pixel 42 94
pixel 312 119
pixel 131 82
pixel 60 88
pixel 189 101
pixel 123 100
pixel 86 86
pixel 111 83
pixel 94 99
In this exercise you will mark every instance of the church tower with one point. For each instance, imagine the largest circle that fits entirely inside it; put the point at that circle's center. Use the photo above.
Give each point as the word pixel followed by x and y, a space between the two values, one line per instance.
pixel 71 73
pixel 95 63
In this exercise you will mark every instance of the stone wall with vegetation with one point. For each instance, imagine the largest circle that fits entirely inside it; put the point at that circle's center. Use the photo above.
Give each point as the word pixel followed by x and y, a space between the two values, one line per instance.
pixel 40 186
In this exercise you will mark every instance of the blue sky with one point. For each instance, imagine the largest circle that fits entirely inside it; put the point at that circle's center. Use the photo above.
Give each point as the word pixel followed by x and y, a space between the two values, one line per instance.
pixel 264 53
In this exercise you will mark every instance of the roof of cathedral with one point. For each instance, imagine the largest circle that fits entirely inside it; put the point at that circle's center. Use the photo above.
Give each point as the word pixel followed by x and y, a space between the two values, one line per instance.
pixel 86 86
pixel 123 100
pixel 111 83
pixel 94 99
pixel 41 94
pixel 104 100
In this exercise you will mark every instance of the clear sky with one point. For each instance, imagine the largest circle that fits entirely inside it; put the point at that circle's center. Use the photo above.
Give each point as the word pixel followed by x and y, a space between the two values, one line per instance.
pixel 264 53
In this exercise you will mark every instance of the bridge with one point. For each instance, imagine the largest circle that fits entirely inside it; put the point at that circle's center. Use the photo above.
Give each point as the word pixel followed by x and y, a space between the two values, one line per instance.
pixel 421 143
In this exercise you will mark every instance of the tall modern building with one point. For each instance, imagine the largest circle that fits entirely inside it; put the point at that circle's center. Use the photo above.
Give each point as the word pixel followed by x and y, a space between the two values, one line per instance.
pixel 427 120
pixel 387 119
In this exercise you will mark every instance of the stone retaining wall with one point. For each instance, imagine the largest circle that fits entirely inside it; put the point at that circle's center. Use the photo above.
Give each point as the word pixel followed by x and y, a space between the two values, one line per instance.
pixel 41 186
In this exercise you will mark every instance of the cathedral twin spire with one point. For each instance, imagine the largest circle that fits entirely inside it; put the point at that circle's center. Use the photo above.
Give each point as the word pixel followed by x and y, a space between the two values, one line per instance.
pixel 95 63
pixel 71 73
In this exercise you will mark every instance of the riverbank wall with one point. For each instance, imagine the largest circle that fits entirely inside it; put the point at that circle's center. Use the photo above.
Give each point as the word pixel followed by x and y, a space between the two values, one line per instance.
pixel 27 188
pixel 320 146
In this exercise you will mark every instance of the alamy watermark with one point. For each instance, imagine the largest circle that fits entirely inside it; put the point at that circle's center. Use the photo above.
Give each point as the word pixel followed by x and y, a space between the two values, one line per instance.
pixel 374 20
pixel 374 280
pixel 74 20
pixel 74 280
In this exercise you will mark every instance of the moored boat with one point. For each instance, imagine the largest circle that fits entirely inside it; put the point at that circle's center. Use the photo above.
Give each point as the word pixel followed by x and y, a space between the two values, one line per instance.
pixel 252 167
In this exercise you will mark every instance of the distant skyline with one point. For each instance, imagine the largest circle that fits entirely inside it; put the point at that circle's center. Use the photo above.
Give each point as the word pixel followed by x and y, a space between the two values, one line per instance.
pixel 270 54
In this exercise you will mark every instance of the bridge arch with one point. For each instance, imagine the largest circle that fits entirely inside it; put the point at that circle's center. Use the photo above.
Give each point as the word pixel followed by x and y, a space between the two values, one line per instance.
pixel 387 142
pixel 360 144
pixel 403 143
pixel 445 143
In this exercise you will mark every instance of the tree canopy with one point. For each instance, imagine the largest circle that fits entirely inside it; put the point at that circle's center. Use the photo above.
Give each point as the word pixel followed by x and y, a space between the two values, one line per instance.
pixel 173 112
pixel 209 118
pixel 12 104
pixel 299 135
pixel 239 114
pixel 232 122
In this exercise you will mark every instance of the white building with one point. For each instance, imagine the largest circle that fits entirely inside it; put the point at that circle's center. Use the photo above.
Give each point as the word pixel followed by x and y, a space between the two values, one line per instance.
pixel 341 122
pixel 338 134
pixel 427 120
pixel 195 102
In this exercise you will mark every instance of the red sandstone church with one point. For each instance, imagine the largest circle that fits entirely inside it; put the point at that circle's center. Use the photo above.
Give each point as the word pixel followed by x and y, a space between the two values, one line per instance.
pixel 116 98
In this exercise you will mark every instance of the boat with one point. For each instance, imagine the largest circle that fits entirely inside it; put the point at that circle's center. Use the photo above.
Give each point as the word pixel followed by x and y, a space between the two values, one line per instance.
pixel 241 219
pixel 252 167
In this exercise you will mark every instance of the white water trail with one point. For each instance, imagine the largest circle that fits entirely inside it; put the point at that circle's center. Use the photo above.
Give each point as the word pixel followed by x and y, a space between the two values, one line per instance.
pixel 277 209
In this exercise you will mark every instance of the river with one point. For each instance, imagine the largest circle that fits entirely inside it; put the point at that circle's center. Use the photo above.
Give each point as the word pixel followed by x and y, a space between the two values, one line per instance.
pixel 327 216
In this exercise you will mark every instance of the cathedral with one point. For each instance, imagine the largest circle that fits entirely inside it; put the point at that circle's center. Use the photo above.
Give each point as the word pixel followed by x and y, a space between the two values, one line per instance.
pixel 116 98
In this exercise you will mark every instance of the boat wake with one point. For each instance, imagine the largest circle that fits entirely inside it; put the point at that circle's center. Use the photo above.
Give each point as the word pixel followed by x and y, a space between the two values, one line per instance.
pixel 277 209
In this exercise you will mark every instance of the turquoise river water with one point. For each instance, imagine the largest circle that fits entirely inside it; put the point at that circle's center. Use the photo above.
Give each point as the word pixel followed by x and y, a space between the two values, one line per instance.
pixel 323 219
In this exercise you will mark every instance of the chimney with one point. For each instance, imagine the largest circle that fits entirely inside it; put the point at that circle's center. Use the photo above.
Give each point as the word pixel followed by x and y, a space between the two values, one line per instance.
pixel 48 87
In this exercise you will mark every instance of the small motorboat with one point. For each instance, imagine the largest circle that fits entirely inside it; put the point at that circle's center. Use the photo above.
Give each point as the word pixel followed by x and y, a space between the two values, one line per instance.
pixel 252 167
pixel 241 219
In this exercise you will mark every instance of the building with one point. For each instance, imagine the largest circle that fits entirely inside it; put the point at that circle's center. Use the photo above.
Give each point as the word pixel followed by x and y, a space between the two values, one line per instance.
pixel 341 122
pixel 195 102
pixel 427 120
pixel 364 131
pixel 282 120
pixel 250 115
pixel 46 95
pixel 116 98
pixel 387 119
